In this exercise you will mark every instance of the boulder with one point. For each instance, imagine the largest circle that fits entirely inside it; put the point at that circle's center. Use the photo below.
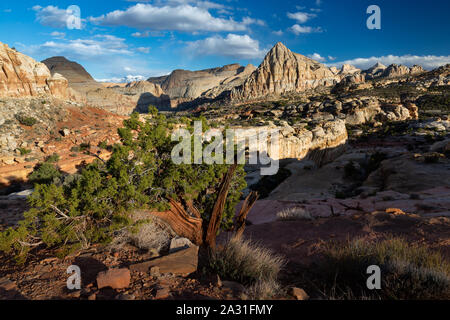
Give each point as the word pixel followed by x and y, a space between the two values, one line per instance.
pixel 182 262
pixel 178 244
pixel 114 278
pixel 298 294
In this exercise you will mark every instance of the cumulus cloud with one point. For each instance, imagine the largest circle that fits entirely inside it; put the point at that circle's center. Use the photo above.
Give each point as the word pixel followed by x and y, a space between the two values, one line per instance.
pixel 428 62
pixel 317 57
pixel 236 46
pixel 182 17
pixel 298 29
pixel 54 17
pixel 301 17
pixel 100 45
pixel 278 33
pixel 126 79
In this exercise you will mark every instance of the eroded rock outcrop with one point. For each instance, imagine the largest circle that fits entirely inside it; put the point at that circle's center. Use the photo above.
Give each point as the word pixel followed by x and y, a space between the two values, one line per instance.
pixel 284 71
pixel 184 85
pixel 22 76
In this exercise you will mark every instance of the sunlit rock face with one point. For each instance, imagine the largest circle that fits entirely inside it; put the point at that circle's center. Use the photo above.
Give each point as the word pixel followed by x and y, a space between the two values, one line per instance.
pixel 284 71
pixel 22 76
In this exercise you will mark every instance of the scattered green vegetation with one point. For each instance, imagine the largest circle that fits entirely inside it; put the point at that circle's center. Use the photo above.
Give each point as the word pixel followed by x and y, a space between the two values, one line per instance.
pixel 103 145
pixel 26 121
pixel 54 158
pixel 24 151
pixel 45 173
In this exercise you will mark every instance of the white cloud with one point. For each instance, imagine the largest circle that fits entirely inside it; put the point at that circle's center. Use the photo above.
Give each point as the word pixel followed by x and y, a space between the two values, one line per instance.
pixel 143 49
pixel 331 58
pixel 428 62
pixel 126 79
pixel 100 45
pixel 298 29
pixel 301 17
pixel 236 46
pixel 182 17
pixel 58 35
pixel 317 57
pixel 52 16
pixel 278 33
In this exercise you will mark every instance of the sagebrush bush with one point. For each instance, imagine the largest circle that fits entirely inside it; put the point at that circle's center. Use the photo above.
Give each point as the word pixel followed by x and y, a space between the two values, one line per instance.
pixel 293 214
pixel 245 262
pixel 408 271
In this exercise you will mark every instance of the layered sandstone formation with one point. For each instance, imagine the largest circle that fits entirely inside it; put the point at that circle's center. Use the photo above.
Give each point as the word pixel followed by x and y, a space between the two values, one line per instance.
pixel 118 99
pixel 284 71
pixel 22 76
pixel 392 71
pixel 348 69
pixel 184 85
pixel 299 141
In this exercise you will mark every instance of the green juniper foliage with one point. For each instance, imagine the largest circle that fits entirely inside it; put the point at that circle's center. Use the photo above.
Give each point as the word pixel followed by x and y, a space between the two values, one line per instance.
pixel 90 206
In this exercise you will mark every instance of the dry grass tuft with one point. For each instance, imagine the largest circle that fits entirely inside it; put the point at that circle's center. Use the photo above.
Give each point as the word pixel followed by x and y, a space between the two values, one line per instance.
pixel 263 290
pixel 246 262
pixel 149 235
pixel 293 214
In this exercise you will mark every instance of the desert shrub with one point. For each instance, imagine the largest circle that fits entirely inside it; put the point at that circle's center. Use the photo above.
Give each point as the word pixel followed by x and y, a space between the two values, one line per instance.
pixel 245 262
pixel 407 271
pixel 26 121
pixel 292 214
pixel 45 173
pixel 54 158
pixel 103 145
pixel 24 151
pixel 139 174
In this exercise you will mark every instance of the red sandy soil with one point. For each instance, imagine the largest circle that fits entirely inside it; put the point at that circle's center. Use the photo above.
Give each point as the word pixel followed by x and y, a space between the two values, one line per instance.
pixel 88 125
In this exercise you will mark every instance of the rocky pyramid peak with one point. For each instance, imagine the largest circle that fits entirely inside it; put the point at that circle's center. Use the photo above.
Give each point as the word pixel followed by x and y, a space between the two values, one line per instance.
pixel 349 69
pixel 71 70
pixel 379 65
pixel 284 71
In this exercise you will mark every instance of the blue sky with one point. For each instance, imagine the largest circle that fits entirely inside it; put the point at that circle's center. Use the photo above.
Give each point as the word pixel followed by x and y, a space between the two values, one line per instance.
pixel 120 38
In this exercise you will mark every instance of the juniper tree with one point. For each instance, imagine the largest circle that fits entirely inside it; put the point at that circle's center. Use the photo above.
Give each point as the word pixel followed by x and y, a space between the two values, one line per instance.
pixel 98 201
